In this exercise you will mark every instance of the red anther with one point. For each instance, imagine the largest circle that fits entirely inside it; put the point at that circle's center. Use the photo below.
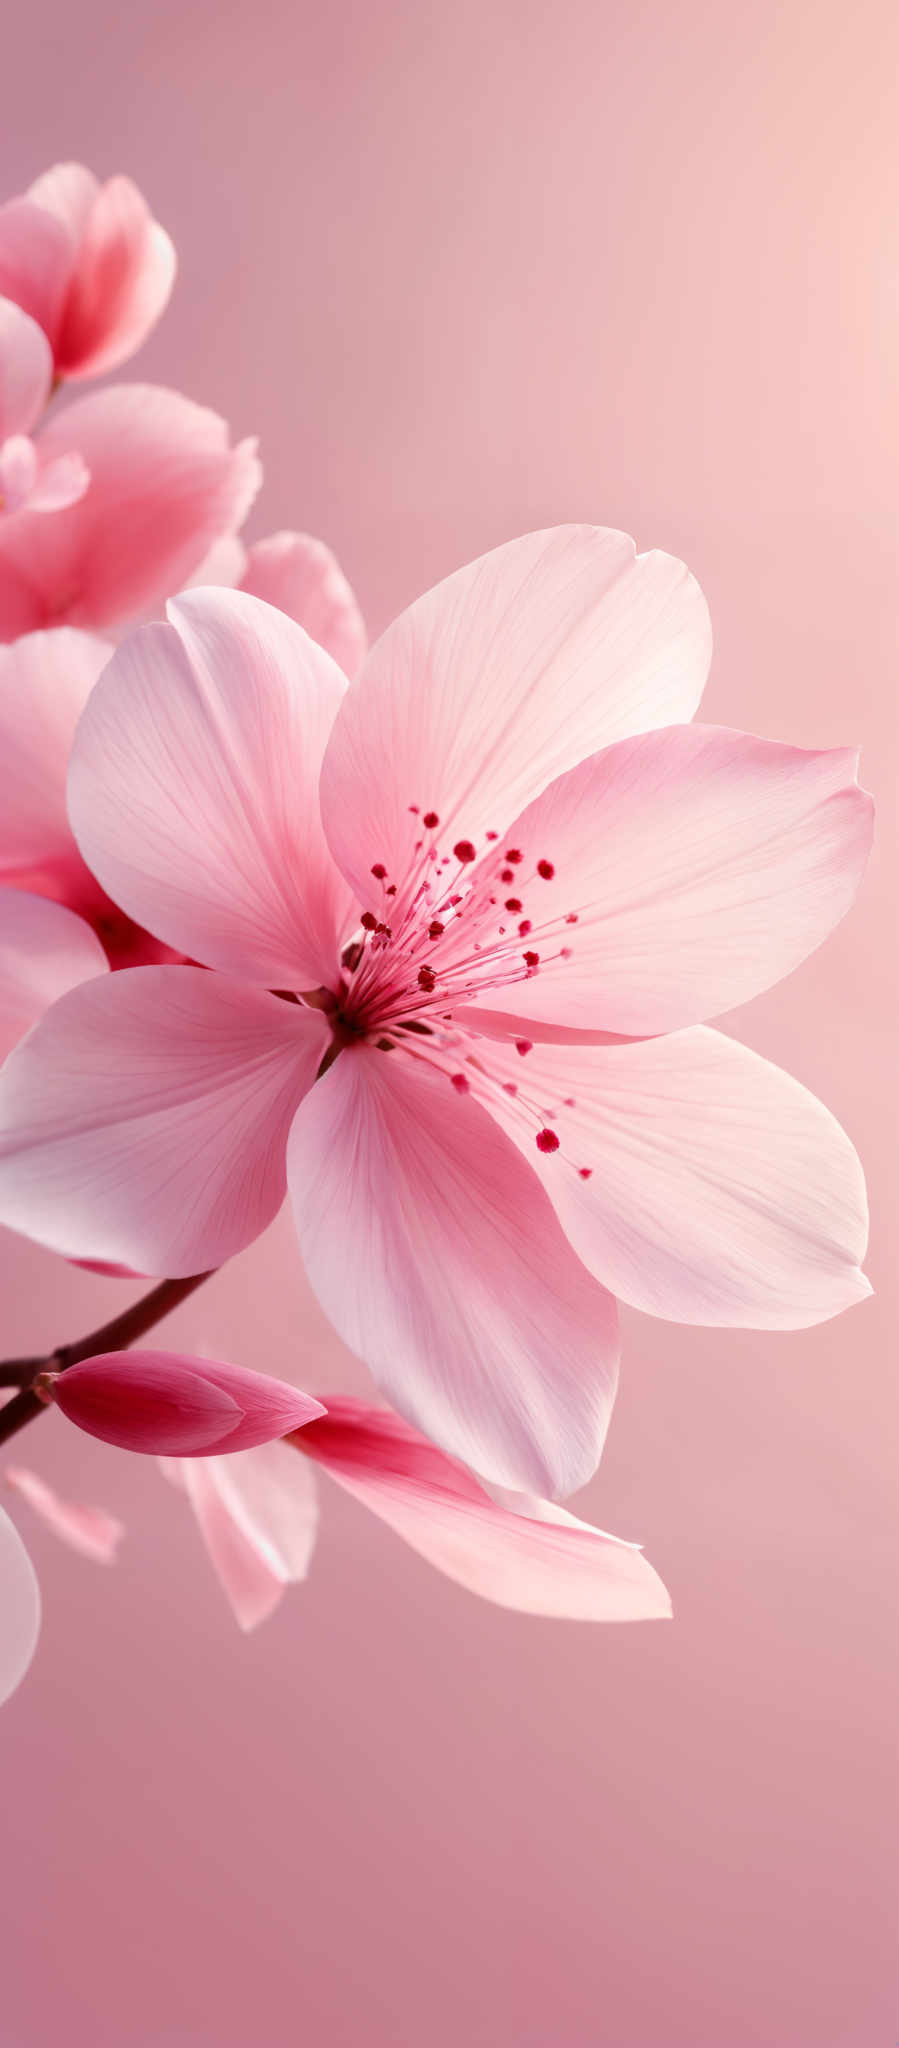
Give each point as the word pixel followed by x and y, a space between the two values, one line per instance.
pixel 524 1045
pixel 572 917
pixel 507 874
pixel 524 927
pixel 414 809
pixel 430 819
pixel 391 891
pixel 564 952
pixel 464 851
pixel 435 928
pixel 513 903
pixel 425 978
pixel 379 871
pixel 530 959
pixel 513 854
pixel 491 835
pixel 569 1102
pixel 585 1172
pixel 454 900
pixel 384 931
pixel 547 1141
pixel 461 1083
pixel 546 869
pixel 369 921
pixel 510 1087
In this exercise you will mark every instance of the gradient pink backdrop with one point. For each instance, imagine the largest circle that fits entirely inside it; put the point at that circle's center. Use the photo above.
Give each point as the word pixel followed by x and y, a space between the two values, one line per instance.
pixel 470 269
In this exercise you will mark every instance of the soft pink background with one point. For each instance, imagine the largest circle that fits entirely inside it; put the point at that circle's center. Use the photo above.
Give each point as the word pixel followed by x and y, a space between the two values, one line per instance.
pixel 470 268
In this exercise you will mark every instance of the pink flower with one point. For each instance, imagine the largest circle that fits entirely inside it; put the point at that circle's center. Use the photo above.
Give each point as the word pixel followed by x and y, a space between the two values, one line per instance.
pixel 90 265
pixel 164 485
pixel 258 1516
pixel 495 870
pixel 158 1401
pixel 28 477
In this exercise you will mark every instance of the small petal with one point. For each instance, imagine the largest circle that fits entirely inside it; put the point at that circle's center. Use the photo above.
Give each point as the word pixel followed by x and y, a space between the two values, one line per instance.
pixel 170 1403
pixel 26 370
pixel 44 951
pixel 302 577
pixel 165 484
pixel 258 1525
pixel 499 680
pixel 193 789
pixel 18 473
pixel 143 1122
pixel 121 282
pixel 538 1559
pixel 698 1181
pixel 59 483
pixel 45 682
pixel 20 1608
pixel 700 864
pixel 37 251
pixel 89 1530
pixel 435 1255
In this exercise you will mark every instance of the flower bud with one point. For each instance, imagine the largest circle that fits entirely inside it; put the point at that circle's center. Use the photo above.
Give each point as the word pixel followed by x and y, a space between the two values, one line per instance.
pixel 168 1403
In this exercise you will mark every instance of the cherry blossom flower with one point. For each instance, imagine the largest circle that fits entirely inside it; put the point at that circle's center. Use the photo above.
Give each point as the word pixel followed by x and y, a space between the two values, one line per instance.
pixel 500 882
pixel 28 477
pixel 165 484
pixel 90 265
pixel 258 1516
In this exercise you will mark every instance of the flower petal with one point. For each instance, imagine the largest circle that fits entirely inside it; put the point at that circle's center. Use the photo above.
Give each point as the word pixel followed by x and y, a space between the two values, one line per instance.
pixel 500 679
pixel 165 483
pixel 45 682
pixel 302 577
pixel 165 1402
pixel 193 789
pixel 44 951
pixel 89 1530
pixel 26 370
pixel 697 865
pixel 36 256
pixel 143 1121
pixel 258 1525
pixel 20 1608
pixel 695 1179
pixel 59 483
pixel 437 1258
pixel 544 1561
pixel 121 282
pixel 68 191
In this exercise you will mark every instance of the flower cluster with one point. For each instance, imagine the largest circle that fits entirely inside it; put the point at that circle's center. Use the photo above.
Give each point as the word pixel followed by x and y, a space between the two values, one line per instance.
pixel 427 936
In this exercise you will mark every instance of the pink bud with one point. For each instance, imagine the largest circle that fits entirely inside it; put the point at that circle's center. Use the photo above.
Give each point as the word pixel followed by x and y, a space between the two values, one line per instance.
pixel 167 1403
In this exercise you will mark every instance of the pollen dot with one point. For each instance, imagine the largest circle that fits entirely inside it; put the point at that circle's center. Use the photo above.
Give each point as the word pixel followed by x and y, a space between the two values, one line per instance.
pixel 414 809
pixel 546 869
pixel 547 1141
pixel 491 835
pixel 513 855
pixel 379 871
pixel 572 917
pixel 464 851
pixel 524 927
pixel 425 978
pixel 532 959
pixel 524 1045
pixel 564 952
pixel 513 903
pixel 369 921
pixel 430 819
pixel 569 1102
pixel 585 1172
pixel 461 1083
pixel 435 928
pixel 510 1087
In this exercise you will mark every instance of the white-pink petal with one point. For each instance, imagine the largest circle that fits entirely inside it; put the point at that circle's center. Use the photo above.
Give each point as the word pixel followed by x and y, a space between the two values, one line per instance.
pixel 90 1530
pixel 500 679
pixel 44 951
pixel 143 1122
pixel 700 866
pixel 258 1514
pixel 20 1608
pixel 302 577
pixel 437 1257
pixel 193 789
pixel 696 1180
pixel 538 1560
